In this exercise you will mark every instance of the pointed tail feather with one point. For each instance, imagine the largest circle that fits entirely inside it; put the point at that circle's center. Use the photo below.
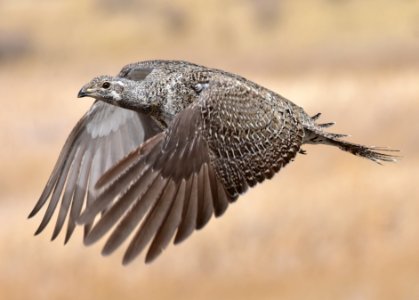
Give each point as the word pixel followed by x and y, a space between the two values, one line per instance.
pixel 315 134
pixel 376 154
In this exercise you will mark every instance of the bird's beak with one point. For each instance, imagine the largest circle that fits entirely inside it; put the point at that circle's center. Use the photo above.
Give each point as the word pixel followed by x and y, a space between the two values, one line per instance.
pixel 84 92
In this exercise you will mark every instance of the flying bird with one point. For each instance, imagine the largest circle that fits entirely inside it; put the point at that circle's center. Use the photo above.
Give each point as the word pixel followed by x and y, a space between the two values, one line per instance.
pixel 168 144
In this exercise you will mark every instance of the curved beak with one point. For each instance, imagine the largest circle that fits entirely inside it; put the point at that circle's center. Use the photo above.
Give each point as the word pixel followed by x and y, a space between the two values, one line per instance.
pixel 86 92
pixel 82 93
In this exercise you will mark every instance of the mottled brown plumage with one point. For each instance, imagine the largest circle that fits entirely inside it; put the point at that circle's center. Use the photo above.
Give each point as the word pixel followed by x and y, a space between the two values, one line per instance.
pixel 168 144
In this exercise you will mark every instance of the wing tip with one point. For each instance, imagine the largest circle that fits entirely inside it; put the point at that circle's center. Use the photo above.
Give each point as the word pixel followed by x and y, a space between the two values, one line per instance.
pixel 32 214
pixel 55 233
pixel 109 248
pixel 37 232
pixel 151 256
pixel 90 238
pixel 36 208
pixel 42 226
pixel 128 258
pixel 181 236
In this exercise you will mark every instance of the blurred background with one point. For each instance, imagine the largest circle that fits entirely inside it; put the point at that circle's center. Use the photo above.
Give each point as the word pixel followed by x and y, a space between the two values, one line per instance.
pixel 329 226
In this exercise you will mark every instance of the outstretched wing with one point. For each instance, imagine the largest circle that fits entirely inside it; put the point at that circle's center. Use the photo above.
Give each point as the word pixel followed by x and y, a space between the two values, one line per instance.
pixel 103 136
pixel 173 183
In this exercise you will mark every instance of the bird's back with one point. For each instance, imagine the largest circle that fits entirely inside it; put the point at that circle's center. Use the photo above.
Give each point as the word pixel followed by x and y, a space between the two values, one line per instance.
pixel 251 131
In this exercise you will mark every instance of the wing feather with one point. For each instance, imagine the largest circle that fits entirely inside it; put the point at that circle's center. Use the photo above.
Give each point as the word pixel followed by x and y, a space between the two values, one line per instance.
pixel 189 217
pixel 103 136
pixel 169 226
pixel 68 193
pixel 206 208
pixel 135 214
pixel 152 222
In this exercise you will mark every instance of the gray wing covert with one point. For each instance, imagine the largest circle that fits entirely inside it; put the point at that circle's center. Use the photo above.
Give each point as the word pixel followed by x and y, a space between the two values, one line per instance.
pixel 173 183
pixel 103 136
pixel 136 71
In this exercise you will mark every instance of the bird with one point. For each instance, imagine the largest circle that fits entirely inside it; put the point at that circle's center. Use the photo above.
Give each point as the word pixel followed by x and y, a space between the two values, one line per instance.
pixel 167 145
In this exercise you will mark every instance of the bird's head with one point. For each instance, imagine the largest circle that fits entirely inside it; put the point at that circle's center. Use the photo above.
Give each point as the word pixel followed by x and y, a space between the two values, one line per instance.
pixel 106 88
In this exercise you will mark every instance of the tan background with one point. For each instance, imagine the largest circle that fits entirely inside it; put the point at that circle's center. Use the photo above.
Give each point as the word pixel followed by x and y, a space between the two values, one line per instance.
pixel 330 226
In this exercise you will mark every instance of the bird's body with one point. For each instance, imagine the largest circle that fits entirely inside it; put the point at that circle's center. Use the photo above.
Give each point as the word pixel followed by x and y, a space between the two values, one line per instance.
pixel 189 141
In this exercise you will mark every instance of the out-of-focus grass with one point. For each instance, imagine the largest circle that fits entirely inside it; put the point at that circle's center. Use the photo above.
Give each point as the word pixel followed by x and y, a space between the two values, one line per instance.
pixel 329 226
pixel 291 35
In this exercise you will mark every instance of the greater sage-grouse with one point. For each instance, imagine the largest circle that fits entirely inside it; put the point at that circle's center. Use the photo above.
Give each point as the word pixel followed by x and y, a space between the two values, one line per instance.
pixel 166 145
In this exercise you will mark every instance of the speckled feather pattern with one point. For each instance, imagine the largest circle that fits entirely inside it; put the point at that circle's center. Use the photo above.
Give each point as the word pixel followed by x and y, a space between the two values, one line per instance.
pixel 251 134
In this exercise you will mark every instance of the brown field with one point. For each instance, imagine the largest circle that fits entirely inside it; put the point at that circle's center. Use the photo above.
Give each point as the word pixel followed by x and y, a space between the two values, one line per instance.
pixel 329 226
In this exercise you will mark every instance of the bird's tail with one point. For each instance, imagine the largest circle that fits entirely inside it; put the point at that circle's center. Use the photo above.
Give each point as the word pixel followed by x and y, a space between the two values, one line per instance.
pixel 315 134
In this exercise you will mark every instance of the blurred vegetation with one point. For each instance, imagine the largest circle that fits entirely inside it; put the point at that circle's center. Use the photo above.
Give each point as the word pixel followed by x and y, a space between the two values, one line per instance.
pixel 290 34
pixel 330 226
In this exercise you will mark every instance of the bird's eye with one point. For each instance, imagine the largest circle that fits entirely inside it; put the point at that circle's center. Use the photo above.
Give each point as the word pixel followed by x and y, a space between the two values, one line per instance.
pixel 106 85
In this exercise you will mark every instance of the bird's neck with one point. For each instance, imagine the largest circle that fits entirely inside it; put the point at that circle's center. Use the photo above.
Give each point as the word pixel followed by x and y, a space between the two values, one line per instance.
pixel 140 99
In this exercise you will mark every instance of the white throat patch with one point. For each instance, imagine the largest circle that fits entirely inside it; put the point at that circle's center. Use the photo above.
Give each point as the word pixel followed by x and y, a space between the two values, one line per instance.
pixel 116 96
